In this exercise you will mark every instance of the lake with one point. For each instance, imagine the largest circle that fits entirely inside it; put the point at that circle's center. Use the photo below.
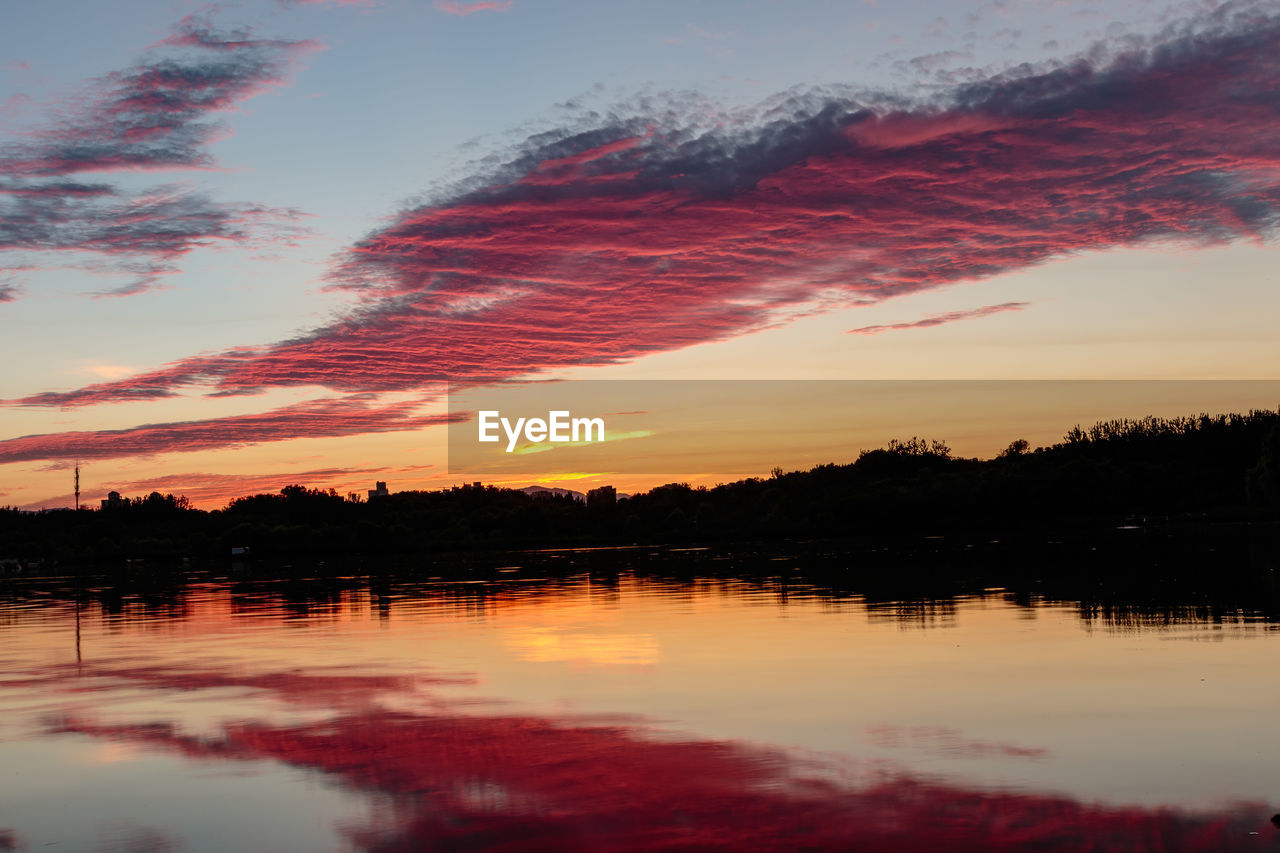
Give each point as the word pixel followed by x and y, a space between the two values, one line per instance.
pixel 604 706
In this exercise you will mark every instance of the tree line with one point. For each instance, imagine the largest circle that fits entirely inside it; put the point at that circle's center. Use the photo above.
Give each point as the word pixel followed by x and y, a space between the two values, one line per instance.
pixel 1144 472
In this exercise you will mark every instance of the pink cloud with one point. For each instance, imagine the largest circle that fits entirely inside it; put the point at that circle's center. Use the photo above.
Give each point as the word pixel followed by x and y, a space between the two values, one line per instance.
pixel 316 418
pixel 939 319
pixel 452 7
pixel 14 105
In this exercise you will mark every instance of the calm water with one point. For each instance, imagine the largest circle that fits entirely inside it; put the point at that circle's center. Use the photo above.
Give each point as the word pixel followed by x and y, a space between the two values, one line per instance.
pixel 628 713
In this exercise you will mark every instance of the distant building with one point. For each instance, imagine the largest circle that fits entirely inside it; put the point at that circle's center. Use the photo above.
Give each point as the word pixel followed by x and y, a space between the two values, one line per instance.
pixel 602 495
pixel 112 501
pixel 380 491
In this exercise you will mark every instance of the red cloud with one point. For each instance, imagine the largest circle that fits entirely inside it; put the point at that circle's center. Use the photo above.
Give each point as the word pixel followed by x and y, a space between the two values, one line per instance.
pixel 453 7
pixel 606 242
pixel 939 319
pixel 317 418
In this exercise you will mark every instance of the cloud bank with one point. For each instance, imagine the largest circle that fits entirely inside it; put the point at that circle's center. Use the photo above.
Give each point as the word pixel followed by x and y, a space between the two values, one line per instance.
pixel 644 231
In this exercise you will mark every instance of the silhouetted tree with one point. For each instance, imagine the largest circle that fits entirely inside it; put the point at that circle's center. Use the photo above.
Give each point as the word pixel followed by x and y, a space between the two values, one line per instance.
pixel 1016 448
pixel 1263 482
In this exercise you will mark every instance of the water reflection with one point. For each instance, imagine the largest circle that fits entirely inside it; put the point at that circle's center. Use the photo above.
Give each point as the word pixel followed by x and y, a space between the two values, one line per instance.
pixel 621 705
pixel 947 742
pixel 463 781
pixel 1249 604
pixel 914 614
pixel 550 644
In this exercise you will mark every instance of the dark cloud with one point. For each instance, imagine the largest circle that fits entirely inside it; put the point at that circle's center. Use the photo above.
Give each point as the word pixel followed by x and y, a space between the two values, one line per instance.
pixel 312 419
pixel 139 234
pixel 10 289
pixel 934 62
pixel 939 319
pixel 154 115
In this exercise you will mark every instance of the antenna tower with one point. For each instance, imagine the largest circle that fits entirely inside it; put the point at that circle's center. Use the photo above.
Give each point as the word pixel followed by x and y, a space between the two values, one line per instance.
pixel 77 485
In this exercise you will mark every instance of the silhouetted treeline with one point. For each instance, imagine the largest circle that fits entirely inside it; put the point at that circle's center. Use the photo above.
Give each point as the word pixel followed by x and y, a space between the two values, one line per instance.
pixel 1146 473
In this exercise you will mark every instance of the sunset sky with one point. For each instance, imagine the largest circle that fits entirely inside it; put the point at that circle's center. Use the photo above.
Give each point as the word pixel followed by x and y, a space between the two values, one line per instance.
pixel 248 245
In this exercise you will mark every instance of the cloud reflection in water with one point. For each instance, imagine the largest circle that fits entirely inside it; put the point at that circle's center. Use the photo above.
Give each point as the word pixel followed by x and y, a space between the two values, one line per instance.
pixel 519 781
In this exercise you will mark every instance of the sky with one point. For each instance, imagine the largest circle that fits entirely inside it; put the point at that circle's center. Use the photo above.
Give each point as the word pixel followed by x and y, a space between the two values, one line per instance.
pixel 247 245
